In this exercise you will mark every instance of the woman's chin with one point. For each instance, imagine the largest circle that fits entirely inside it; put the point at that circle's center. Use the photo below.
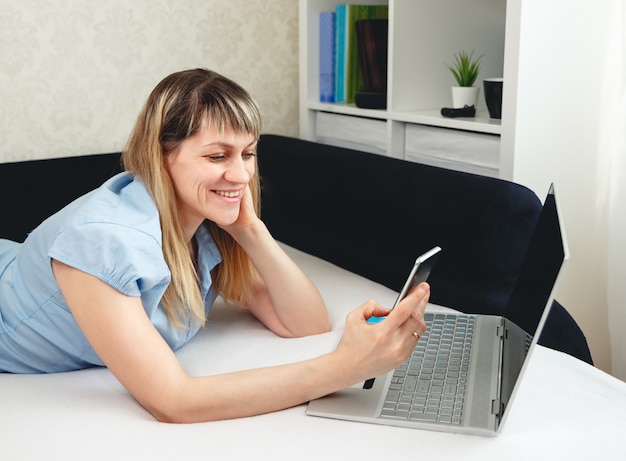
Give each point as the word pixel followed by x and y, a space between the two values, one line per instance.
pixel 224 221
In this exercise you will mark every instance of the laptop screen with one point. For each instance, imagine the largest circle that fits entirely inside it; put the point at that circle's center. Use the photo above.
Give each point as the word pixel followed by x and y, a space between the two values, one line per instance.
pixel 540 269
pixel 532 293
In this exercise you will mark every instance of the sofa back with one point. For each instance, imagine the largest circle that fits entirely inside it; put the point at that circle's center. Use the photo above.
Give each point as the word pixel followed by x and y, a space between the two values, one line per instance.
pixel 32 190
pixel 373 215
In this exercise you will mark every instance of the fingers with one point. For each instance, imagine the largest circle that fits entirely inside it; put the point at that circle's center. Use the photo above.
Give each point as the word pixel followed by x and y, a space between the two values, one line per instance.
pixel 412 306
pixel 411 312
pixel 371 308
pixel 408 315
pixel 382 346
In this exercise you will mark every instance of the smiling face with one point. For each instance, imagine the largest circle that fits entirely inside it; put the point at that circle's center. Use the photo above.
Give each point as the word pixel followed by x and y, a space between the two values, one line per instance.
pixel 210 172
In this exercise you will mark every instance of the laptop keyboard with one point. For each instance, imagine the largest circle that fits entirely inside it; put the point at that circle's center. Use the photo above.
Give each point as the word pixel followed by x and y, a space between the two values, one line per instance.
pixel 431 385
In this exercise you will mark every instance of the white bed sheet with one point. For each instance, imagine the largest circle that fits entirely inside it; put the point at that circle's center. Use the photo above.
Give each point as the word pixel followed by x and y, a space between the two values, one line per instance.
pixel 565 408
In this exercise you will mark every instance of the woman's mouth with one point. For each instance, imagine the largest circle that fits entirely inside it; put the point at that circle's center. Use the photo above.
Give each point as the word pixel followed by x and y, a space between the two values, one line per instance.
pixel 228 194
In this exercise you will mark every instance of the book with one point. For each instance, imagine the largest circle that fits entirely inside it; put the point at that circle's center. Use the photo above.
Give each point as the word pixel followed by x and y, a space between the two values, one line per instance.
pixel 372 38
pixel 327 56
pixel 341 64
pixel 348 74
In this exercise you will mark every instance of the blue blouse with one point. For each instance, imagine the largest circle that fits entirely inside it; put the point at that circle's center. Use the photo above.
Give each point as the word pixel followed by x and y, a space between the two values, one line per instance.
pixel 112 233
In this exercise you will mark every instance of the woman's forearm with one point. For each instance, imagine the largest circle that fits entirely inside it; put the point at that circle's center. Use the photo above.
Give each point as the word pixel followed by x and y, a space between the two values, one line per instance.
pixel 254 392
pixel 294 298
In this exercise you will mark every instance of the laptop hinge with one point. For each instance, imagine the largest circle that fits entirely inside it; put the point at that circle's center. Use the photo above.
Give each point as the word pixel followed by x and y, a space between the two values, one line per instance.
pixel 496 407
pixel 497 404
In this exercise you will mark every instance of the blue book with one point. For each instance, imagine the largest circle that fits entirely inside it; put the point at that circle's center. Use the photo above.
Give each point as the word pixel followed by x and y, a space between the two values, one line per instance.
pixel 341 55
pixel 327 56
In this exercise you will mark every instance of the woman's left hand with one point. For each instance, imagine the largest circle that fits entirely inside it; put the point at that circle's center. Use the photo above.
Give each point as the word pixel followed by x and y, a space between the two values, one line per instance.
pixel 247 214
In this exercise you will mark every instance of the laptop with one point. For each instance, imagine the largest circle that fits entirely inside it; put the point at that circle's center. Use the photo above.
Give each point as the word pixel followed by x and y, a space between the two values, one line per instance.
pixel 466 369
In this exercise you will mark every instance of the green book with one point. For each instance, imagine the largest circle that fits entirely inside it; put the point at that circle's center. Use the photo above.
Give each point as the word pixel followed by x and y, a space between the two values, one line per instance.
pixel 354 74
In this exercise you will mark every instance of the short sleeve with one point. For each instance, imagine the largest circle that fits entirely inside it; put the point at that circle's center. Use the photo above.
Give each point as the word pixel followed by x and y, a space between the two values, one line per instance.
pixel 127 259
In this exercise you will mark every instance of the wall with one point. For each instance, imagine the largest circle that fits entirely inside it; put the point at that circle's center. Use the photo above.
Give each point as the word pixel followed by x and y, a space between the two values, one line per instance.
pixel 74 73
pixel 569 85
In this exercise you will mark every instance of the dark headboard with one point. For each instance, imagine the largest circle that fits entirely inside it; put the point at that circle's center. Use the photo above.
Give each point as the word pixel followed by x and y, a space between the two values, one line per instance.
pixel 30 191
pixel 373 215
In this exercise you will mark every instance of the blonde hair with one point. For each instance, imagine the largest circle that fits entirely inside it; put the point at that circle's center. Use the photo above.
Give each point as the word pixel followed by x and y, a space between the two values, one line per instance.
pixel 179 106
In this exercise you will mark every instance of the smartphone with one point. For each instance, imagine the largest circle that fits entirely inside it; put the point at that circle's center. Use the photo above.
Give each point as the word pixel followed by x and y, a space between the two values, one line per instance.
pixel 420 272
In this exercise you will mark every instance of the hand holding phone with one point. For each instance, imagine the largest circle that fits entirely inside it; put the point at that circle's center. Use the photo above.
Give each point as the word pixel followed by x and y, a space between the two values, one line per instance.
pixel 419 273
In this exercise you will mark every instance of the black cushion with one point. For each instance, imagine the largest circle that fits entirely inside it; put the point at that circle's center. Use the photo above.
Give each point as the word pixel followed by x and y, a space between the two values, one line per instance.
pixel 30 191
pixel 372 215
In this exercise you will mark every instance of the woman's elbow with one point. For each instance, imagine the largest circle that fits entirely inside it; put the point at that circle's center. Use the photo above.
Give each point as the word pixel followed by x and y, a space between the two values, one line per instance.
pixel 324 327
pixel 168 415
pixel 174 410
pixel 178 416
pixel 319 327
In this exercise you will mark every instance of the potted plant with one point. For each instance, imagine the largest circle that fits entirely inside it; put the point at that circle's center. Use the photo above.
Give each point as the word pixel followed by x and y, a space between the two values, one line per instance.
pixel 465 70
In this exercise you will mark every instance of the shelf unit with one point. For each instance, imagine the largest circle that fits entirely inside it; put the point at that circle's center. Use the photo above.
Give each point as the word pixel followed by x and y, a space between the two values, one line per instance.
pixel 546 135
pixel 424 35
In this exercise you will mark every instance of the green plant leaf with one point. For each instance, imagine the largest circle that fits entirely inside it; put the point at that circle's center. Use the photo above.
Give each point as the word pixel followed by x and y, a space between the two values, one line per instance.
pixel 465 68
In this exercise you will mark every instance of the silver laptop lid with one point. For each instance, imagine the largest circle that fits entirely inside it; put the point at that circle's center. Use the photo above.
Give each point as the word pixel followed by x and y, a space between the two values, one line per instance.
pixel 532 295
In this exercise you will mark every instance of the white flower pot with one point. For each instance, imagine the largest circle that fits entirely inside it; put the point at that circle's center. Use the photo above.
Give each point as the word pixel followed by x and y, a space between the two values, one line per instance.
pixel 464 96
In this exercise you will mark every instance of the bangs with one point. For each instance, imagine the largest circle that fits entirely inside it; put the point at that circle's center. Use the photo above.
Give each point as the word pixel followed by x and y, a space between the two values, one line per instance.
pixel 240 116
pixel 223 104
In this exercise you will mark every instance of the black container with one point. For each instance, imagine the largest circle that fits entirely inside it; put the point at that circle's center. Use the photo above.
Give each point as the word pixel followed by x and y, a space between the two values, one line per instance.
pixel 493 96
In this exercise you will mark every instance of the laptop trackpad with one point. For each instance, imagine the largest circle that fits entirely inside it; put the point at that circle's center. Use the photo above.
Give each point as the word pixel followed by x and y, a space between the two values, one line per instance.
pixel 361 400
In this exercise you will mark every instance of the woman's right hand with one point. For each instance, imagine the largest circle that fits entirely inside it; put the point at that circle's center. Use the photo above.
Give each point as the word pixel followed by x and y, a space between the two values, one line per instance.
pixel 372 349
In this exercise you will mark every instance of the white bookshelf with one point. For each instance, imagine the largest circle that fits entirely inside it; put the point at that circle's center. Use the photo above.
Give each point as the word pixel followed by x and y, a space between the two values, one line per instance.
pixel 424 35
pixel 547 134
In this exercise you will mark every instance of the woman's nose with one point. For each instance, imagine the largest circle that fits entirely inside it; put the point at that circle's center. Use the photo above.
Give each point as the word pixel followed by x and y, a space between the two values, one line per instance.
pixel 238 172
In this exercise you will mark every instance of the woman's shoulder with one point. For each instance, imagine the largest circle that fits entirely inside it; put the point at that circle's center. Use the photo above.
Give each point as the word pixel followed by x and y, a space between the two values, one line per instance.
pixel 112 233
pixel 122 201
pixel 117 219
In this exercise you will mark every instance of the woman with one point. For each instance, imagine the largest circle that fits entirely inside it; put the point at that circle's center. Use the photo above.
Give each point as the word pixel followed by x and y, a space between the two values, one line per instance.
pixel 127 273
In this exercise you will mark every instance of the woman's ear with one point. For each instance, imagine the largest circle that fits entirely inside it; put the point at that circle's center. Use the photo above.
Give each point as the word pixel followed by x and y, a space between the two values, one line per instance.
pixel 169 157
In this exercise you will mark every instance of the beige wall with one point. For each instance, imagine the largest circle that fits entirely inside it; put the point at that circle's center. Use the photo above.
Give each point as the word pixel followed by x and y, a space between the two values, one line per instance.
pixel 74 73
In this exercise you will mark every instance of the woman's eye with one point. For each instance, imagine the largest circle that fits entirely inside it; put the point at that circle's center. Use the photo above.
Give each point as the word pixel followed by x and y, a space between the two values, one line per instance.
pixel 248 155
pixel 217 157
